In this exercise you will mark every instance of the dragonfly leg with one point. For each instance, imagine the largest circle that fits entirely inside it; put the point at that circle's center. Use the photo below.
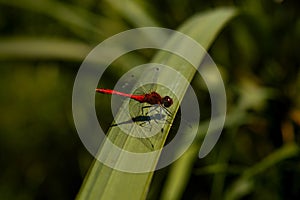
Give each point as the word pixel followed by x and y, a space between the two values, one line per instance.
pixel 145 107
pixel 151 109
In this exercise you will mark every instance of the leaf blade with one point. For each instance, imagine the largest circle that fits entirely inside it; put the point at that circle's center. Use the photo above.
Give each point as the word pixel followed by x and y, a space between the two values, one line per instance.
pixel 114 188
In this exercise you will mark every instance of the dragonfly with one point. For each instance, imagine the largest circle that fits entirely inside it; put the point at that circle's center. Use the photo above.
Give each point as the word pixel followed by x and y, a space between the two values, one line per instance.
pixel 152 98
pixel 150 101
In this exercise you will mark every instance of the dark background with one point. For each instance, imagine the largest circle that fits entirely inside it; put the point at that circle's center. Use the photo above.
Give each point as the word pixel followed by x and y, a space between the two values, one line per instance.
pixel 43 43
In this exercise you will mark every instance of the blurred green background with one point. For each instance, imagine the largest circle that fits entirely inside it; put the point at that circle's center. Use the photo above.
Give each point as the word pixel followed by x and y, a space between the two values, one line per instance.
pixel 43 43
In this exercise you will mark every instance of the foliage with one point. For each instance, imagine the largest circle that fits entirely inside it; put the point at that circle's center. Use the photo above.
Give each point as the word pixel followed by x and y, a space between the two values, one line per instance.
pixel 42 45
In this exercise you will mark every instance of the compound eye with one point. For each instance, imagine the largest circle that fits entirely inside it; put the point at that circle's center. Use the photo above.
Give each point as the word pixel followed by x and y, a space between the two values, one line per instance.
pixel 167 101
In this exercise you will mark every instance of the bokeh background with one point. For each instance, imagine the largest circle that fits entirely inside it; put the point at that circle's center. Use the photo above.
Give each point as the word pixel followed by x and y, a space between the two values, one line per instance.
pixel 43 43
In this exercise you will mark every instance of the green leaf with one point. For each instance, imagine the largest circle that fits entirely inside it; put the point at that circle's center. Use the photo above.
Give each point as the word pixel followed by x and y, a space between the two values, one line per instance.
pixel 181 170
pixel 133 12
pixel 245 183
pixel 71 16
pixel 103 182
pixel 32 48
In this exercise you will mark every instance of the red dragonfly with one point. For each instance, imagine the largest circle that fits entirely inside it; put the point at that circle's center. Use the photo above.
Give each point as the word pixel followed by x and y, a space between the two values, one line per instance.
pixel 152 98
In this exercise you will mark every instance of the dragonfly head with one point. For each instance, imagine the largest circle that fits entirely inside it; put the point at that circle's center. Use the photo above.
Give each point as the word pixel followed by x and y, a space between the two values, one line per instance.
pixel 167 101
